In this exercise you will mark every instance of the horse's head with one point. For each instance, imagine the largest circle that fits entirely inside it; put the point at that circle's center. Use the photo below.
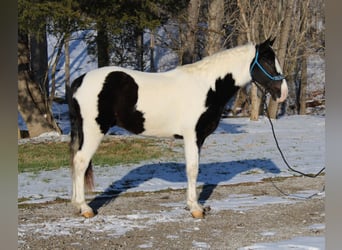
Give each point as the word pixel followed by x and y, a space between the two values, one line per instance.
pixel 266 71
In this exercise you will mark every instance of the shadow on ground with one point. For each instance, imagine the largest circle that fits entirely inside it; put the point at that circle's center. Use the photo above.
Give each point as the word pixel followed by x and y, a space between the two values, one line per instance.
pixel 211 174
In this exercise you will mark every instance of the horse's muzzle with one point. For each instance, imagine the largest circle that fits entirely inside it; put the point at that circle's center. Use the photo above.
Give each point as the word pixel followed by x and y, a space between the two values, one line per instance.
pixel 283 92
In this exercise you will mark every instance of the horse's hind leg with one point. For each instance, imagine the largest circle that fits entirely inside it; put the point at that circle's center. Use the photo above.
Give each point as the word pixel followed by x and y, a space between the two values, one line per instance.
pixel 81 162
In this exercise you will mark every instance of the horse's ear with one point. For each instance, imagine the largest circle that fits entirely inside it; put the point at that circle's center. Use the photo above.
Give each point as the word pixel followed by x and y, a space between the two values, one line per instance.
pixel 266 44
pixel 271 41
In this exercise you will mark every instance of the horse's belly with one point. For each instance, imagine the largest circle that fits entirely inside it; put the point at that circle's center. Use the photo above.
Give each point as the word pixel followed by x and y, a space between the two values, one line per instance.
pixel 158 133
pixel 170 109
pixel 160 126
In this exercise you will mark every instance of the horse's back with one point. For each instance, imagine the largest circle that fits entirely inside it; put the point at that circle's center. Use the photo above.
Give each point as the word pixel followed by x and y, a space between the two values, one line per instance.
pixel 166 102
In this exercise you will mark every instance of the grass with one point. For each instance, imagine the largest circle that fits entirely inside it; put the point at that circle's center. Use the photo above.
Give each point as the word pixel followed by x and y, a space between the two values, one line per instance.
pixel 112 151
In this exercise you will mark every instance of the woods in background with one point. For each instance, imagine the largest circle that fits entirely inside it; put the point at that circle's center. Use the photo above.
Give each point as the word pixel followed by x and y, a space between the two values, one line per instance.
pixel 128 33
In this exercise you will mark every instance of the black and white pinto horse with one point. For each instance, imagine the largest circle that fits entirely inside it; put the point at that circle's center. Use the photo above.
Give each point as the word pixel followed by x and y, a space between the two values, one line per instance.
pixel 186 102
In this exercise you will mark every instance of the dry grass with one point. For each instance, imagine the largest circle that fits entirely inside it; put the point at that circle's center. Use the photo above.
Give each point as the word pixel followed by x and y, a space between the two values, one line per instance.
pixel 112 151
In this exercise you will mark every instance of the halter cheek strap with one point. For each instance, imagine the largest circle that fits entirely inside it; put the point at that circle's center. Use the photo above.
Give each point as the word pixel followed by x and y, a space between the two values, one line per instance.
pixel 256 63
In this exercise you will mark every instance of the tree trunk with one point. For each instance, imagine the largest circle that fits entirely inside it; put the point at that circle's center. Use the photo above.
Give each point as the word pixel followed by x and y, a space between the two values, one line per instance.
pixel 304 76
pixel 215 21
pixel 189 36
pixel 241 104
pixel 243 13
pixel 140 49
pixel 39 61
pixel 272 108
pixel 32 104
pixel 54 69
pixel 302 89
pixel 255 99
pixel 152 45
pixel 67 60
pixel 285 31
pixel 102 45
pixel 242 100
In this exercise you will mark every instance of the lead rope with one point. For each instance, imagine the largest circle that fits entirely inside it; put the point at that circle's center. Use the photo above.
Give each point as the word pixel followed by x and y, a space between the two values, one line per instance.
pixel 283 157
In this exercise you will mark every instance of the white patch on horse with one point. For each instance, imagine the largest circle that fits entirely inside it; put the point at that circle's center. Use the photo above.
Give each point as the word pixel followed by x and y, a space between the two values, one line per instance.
pixel 284 88
pixel 235 61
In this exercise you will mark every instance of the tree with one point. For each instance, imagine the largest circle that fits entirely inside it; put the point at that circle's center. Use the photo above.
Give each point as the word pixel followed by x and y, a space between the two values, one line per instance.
pixel 282 48
pixel 311 33
pixel 303 84
pixel 121 26
pixel 32 103
pixel 308 41
pixel 188 33
pixel 102 13
pixel 39 60
pixel 35 20
pixel 215 26
pixel 249 26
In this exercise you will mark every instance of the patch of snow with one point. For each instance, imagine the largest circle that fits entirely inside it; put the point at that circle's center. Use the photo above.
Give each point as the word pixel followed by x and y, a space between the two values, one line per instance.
pixel 268 233
pixel 46 137
pixel 49 135
pixel 298 243
pixel 146 245
pixel 112 225
pixel 316 73
pixel 239 202
pixel 200 245
pixel 172 237
pixel 317 227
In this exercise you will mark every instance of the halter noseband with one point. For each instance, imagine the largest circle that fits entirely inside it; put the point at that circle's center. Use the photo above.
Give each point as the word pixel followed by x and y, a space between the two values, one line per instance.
pixel 256 62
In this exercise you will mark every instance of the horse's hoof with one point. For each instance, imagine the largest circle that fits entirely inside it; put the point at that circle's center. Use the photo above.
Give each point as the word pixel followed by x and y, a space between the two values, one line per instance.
pixel 197 214
pixel 88 214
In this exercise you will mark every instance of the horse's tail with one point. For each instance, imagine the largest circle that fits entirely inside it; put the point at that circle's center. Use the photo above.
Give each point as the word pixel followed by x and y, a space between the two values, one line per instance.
pixel 76 131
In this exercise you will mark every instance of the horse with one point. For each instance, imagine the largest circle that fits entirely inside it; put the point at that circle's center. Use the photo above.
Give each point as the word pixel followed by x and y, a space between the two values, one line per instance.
pixel 186 102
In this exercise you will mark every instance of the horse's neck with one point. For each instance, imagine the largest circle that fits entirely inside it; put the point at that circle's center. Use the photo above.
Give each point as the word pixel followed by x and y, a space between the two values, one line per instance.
pixel 234 61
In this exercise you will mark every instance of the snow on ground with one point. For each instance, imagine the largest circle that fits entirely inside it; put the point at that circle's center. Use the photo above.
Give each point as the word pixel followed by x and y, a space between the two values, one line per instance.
pixel 239 151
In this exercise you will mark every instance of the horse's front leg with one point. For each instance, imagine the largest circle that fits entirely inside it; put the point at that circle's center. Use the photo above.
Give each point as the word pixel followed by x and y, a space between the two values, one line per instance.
pixel 192 160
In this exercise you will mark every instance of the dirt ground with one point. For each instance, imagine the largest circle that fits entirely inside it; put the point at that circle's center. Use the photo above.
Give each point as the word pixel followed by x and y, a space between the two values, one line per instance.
pixel 172 226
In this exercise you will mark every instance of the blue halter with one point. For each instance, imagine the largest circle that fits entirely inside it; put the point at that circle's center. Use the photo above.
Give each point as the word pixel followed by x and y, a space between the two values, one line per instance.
pixel 255 62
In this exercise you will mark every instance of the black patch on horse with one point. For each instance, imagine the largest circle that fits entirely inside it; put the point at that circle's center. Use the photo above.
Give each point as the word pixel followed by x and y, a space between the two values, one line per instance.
pixel 216 100
pixel 76 120
pixel 176 136
pixel 117 104
pixel 77 83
